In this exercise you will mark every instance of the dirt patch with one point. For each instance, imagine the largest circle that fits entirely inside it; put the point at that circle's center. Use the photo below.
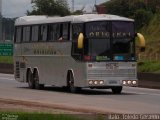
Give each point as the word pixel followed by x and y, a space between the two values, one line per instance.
pixel 10 104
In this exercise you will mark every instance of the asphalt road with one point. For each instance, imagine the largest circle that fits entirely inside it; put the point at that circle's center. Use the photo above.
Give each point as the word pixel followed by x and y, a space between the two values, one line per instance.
pixel 132 100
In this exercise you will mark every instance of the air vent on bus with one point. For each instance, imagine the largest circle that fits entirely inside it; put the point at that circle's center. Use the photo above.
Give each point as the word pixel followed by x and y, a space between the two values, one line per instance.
pixel 17 72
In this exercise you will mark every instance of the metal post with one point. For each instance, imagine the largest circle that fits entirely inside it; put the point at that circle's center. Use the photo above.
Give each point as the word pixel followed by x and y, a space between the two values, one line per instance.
pixel 72 5
pixel 1 38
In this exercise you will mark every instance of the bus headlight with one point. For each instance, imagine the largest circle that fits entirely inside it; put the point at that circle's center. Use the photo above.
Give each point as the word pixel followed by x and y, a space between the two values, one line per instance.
pixel 124 83
pixel 101 82
pixel 90 82
pixel 129 82
pixel 96 82
pixel 134 82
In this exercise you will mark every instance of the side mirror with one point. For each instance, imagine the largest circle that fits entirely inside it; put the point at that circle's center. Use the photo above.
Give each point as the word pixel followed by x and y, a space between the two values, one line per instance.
pixel 142 42
pixel 80 41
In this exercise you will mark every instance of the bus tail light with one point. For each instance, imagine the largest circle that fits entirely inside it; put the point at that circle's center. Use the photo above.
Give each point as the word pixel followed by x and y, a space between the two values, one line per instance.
pixel 88 58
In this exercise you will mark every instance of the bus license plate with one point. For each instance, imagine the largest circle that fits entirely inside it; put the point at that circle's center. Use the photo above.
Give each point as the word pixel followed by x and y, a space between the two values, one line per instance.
pixel 113 82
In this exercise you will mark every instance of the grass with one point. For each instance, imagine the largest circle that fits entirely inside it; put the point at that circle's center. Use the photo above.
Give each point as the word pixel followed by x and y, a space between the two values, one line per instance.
pixel 6 59
pixel 46 116
pixel 149 66
pixel 35 116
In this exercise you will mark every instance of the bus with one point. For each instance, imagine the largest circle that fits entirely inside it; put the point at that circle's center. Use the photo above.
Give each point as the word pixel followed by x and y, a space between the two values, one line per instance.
pixel 96 51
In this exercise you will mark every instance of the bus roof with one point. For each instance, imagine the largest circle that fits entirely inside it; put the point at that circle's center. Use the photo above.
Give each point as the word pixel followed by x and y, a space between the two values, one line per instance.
pixel 30 20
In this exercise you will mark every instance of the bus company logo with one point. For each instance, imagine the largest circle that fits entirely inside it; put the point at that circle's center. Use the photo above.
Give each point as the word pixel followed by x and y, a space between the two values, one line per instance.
pixel 45 50
pixel 108 34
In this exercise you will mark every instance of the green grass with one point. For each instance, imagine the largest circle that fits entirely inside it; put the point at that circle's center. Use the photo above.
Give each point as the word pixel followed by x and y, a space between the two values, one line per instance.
pixel 46 116
pixel 35 116
pixel 149 66
pixel 6 59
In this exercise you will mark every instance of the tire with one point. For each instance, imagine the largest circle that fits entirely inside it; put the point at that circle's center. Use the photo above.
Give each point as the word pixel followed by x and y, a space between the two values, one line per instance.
pixel 117 90
pixel 36 79
pixel 31 82
pixel 70 83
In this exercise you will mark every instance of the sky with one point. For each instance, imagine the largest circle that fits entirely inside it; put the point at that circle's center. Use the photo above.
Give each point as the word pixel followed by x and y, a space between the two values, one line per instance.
pixel 17 8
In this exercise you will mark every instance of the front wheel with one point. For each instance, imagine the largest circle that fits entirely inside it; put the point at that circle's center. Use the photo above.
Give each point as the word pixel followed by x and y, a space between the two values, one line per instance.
pixel 117 90
pixel 36 79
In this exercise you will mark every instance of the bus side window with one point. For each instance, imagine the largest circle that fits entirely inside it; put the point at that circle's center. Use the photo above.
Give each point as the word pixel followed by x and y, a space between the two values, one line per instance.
pixel 26 34
pixel 65 31
pixel 53 32
pixel 43 29
pixel 18 34
pixel 34 37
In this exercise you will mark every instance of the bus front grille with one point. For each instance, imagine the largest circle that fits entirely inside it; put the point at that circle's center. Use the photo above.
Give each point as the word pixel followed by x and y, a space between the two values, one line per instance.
pixel 103 74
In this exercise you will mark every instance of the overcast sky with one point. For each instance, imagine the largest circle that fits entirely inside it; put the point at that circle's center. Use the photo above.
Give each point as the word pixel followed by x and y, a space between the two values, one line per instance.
pixel 17 8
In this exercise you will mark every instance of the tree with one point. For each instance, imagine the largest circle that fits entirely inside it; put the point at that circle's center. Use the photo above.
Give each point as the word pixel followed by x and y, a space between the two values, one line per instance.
pixel 49 7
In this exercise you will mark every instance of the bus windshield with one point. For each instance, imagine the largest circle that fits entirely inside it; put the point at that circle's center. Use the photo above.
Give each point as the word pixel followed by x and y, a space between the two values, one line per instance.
pixel 110 40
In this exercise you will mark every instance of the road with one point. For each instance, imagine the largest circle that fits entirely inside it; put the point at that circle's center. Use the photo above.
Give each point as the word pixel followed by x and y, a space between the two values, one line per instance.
pixel 132 100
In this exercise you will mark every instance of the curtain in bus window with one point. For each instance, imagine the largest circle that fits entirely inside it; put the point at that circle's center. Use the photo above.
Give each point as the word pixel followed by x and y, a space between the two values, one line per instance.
pixel 65 31
pixel 34 37
pixel 54 32
pixel 43 33
pixel 26 34
pixel 18 34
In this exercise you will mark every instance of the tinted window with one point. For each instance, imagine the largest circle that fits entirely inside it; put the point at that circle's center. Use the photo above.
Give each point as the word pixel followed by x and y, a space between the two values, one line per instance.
pixel 43 29
pixel 26 34
pixel 34 37
pixel 54 32
pixel 98 30
pixel 18 34
pixel 76 29
pixel 65 31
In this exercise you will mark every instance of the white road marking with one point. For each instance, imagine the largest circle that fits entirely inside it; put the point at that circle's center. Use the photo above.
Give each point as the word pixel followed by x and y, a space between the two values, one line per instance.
pixel 4 78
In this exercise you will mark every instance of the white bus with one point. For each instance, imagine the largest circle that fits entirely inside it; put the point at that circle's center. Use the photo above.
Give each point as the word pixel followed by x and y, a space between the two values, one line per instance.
pixel 81 51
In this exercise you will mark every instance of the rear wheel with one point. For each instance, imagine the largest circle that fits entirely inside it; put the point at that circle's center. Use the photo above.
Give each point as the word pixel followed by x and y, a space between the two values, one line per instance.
pixel 117 90
pixel 36 79
pixel 31 82
pixel 70 84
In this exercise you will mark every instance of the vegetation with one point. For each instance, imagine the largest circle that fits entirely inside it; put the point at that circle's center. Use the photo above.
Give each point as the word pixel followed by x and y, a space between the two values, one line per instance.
pixel 148 66
pixel 46 116
pixel 140 10
pixel 49 7
pixel 35 116
pixel 147 20
pixel 6 59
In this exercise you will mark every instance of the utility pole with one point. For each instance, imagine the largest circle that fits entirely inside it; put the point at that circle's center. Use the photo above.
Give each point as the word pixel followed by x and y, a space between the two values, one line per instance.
pixel 1 38
pixel 72 5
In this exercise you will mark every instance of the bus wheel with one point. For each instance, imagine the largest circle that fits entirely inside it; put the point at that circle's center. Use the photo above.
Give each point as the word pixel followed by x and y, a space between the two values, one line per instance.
pixel 71 86
pixel 117 90
pixel 31 82
pixel 36 79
